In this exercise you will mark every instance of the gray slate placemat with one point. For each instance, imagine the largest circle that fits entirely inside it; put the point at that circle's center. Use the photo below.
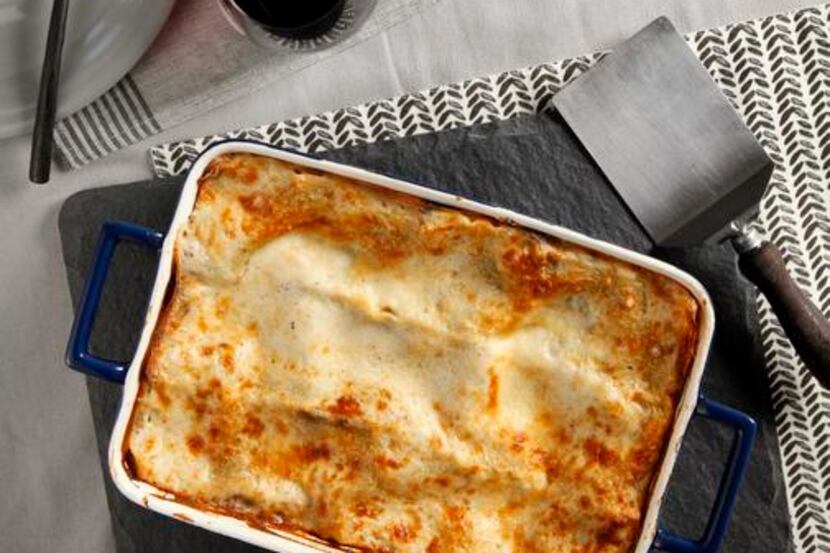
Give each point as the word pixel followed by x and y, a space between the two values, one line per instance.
pixel 532 165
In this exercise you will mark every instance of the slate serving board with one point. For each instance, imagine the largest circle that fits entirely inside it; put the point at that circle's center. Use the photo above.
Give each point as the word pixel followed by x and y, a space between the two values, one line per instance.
pixel 532 165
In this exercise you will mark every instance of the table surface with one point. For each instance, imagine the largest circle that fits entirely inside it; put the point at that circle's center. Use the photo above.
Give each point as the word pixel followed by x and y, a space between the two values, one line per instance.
pixel 53 487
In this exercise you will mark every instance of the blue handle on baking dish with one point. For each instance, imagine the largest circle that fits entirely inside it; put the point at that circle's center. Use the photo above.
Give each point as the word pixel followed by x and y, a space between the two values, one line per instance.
pixel 78 355
pixel 712 538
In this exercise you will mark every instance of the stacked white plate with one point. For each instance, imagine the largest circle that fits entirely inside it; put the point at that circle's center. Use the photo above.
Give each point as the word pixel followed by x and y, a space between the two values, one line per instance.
pixel 104 39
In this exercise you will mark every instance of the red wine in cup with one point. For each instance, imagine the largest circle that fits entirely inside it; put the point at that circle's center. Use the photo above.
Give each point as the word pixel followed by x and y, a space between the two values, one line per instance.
pixel 294 19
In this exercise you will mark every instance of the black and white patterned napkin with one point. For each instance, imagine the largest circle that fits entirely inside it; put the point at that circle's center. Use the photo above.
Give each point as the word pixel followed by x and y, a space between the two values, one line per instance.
pixel 776 72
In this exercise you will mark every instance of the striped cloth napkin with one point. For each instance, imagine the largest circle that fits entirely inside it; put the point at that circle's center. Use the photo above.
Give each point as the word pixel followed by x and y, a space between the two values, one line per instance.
pixel 197 63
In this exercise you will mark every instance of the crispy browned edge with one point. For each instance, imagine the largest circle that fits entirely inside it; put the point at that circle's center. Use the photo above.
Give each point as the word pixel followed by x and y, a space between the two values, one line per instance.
pixel 684 364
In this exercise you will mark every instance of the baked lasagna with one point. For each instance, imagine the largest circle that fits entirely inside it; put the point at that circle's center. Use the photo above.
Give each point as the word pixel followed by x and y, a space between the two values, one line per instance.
pixel 342 361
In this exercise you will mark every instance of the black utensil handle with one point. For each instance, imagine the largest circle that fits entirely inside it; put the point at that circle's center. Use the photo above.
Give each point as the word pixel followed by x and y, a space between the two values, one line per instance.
pixel 40 162
pixel 805 325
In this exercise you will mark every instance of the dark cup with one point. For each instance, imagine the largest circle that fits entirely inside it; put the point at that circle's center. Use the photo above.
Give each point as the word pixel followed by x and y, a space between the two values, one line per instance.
pixel 303 20
pixel 296 26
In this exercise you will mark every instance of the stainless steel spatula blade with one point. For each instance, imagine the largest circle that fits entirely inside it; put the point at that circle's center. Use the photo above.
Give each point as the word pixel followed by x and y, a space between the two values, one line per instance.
pixel 667 138
pixel 688 168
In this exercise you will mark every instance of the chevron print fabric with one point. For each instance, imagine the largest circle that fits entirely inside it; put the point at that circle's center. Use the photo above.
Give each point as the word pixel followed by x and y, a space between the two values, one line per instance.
pixel 472 102
pixel 776 73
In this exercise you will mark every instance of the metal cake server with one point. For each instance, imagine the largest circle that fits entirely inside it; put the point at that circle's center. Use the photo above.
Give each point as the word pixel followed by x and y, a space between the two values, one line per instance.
pixel 687 167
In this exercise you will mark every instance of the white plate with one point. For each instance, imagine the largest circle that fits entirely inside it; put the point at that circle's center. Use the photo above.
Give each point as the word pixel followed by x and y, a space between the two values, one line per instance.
pixel 104 39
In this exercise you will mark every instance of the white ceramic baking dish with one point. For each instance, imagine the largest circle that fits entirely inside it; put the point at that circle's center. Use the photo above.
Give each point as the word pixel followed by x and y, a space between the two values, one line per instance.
pixel 78 357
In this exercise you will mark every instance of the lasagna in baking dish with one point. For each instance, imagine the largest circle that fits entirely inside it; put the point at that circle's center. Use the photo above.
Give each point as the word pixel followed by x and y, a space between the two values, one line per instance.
pixel 342 361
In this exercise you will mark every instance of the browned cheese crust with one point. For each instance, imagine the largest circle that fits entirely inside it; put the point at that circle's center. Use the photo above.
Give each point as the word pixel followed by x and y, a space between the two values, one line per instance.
pixel 343 361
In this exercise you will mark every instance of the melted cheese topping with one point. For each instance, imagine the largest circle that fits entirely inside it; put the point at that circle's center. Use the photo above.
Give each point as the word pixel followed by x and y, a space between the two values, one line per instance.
pixel 348 362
